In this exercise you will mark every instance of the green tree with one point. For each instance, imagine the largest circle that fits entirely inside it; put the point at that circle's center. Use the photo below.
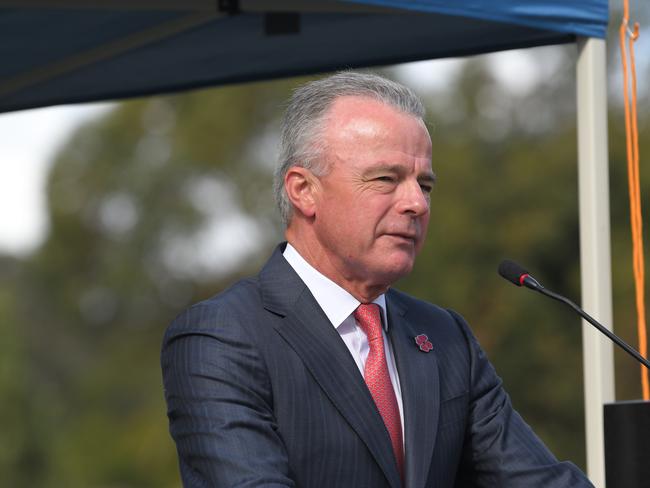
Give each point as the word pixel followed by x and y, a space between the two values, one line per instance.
pixel 159 204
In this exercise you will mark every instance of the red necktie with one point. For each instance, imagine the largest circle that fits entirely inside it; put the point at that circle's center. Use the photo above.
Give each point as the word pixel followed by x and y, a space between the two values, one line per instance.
pixel 378 379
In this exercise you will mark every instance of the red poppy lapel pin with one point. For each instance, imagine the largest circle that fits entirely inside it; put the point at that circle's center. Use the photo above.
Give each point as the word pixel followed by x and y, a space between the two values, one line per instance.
pixel 423 343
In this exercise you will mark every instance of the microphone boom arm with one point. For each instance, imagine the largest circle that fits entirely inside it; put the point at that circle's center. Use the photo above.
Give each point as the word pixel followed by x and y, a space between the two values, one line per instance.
pixel 530 282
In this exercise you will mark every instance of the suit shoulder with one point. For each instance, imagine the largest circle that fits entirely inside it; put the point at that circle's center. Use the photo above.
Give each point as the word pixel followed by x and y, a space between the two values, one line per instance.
pixel 441 316
pixel 419 306
pixel 230 305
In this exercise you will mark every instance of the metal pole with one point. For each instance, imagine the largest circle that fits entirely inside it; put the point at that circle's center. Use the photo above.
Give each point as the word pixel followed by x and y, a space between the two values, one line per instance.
pixel 595 255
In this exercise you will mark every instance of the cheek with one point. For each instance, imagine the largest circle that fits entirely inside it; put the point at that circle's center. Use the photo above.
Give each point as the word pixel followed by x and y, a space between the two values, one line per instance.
pixel 424 225
pixel 357 215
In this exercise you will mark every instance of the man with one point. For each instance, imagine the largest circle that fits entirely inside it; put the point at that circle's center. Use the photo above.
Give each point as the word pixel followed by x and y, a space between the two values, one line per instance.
pixel 316 373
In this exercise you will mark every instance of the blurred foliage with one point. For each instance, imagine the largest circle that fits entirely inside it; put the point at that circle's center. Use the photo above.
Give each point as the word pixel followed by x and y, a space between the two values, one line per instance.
pixel 159 204
pixel 166 201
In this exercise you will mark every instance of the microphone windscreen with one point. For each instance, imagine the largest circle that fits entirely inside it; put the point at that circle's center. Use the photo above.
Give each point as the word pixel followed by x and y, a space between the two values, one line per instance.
pixel 511 271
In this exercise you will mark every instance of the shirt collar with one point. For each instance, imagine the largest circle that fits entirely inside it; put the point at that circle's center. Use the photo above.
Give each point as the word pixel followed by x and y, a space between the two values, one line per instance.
pixel 335 301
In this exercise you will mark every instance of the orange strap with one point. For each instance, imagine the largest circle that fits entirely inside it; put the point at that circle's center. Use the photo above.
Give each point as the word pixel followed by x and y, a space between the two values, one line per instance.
pixel 632 144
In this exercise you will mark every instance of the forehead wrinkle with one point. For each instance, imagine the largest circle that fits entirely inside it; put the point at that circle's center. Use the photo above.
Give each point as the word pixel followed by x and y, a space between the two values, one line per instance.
pixel 349 135
pixel 351 128
pixel 396 168
pixel 351 116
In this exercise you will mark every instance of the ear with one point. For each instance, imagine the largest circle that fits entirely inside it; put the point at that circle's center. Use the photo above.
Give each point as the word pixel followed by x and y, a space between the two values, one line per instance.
pixel 301 185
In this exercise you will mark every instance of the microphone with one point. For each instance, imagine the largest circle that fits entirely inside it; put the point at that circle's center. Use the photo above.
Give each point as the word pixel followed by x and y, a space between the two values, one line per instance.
pixel 517 275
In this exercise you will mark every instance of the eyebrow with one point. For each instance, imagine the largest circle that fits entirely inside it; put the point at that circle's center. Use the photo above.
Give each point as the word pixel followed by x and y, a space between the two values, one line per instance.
pixel 429 177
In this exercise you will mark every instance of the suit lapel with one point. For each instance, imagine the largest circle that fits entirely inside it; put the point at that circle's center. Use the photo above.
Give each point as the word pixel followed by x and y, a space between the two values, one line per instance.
pixel 419 382
pixel 307 330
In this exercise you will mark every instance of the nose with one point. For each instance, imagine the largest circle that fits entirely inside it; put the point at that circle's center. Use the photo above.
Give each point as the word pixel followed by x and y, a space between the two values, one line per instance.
pixel 413 199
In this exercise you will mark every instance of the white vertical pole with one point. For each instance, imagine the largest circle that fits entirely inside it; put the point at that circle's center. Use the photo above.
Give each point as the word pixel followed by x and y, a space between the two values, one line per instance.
pixel 595 256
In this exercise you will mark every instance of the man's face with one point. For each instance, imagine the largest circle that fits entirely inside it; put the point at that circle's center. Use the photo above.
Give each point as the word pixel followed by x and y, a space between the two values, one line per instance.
pixel 372 206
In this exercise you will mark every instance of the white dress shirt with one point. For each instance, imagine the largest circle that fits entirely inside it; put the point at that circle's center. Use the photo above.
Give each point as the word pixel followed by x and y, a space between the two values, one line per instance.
pixel 339 306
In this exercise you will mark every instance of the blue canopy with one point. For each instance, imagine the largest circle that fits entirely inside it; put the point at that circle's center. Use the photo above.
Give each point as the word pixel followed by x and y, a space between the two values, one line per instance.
pixel 86 50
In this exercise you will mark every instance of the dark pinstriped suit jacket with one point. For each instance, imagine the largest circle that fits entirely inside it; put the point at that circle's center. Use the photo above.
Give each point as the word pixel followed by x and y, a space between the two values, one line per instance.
pixel 262 391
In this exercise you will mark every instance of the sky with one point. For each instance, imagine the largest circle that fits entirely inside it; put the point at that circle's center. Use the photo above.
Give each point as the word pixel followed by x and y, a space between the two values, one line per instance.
pixel 30 139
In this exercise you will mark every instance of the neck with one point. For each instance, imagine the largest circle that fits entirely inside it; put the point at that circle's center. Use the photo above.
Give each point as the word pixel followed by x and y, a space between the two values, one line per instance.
pixel 320 260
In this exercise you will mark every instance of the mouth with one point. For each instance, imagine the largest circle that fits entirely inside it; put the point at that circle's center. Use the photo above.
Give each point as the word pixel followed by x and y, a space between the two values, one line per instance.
pixel 405 237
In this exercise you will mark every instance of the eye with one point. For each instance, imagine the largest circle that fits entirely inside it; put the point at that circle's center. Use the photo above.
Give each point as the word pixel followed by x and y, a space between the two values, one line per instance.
pixel 385 178
pixel 426 188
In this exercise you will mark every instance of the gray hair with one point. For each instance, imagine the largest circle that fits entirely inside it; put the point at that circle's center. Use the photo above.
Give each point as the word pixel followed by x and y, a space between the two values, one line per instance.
pixel 303 123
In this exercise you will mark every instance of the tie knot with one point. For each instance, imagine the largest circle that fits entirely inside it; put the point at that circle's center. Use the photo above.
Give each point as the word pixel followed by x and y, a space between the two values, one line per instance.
pixel 368 317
